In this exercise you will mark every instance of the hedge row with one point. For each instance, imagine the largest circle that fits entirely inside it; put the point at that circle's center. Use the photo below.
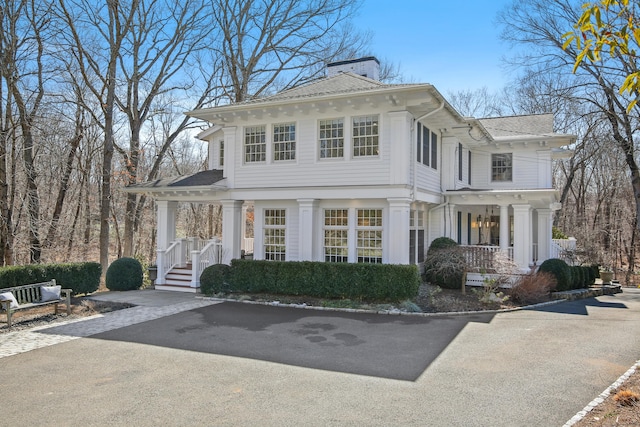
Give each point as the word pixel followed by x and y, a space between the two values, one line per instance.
pixel 81 277
pixel 570 277
pixel 364 282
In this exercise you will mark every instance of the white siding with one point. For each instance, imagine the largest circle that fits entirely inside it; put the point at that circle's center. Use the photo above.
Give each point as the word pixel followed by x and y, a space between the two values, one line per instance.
pixel 530 170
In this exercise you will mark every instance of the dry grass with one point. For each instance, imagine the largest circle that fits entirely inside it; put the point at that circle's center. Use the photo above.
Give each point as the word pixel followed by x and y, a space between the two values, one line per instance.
pixel 620 409
pixel 41 316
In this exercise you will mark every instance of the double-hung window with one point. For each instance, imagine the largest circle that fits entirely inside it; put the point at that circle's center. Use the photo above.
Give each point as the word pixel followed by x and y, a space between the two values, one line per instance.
pixel 221 152
pixel 502 167
pixel 427 146
pixel 365 136
pixel 274 234
pixel 331 138
pixel 369 235
pixel 336 235
pixel 255 144
pixel 284 141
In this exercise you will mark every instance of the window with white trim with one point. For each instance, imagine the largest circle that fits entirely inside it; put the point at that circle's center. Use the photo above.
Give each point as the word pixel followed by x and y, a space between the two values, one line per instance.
pixel 331 134
pixel 284 141
pixel 369 235
pixel 274 234
pixel 255 144
pixel 365 136
pixel 427 146
pixel 221 152
pixel 502 167
pixel 336 235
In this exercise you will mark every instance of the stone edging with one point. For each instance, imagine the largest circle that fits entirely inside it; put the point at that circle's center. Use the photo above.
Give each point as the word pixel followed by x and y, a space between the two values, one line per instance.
pixel 598 400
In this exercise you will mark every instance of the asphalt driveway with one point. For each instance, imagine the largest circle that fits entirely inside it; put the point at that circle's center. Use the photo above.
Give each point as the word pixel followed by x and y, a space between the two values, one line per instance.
pixel 394 347
pixel 232 364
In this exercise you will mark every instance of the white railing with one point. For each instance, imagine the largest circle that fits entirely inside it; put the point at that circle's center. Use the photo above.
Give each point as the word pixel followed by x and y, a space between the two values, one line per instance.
pixel 563 249
pixel 168 259
pixel 210 254
pixel 482 257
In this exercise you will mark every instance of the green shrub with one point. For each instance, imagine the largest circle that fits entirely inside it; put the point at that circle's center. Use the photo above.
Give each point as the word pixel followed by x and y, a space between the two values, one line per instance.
pixel 560 271
pixel 80 277
pixel 441 243
pixel 124 274
pixel 361 282
pixel 557 233
pixel 590 275
pixel 445 268
pixel 577 277
pixel 215 279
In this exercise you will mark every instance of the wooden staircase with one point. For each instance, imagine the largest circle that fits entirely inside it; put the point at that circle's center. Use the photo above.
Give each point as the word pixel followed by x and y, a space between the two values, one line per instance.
pixel 178 279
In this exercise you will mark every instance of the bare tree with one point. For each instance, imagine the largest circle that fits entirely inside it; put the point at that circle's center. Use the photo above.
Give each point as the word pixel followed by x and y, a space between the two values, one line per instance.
pixel 274 45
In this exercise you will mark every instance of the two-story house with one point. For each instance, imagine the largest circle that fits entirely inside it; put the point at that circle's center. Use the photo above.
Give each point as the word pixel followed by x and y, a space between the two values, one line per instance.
pixel 349 169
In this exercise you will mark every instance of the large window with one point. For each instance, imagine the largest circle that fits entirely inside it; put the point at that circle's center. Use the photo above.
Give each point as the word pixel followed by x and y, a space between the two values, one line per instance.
pixel 336 235
pixel 331 138
pixel 502 167
pixel 416 240
pixel 427 146
pixel 284 141
pixel 255 145
pixel 369 235
pixel 365 136
pixel 274 234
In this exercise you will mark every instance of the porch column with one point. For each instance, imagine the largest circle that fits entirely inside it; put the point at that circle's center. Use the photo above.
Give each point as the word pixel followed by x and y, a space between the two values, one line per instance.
pixel 545 221
pixel 231 229
pixel 308 222
pixel 397 231
pixel 504 229
pixel 522 235
pixel 166 233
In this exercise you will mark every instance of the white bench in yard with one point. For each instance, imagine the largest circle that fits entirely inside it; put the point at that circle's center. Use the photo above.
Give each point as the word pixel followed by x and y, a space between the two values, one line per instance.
pixel 31 296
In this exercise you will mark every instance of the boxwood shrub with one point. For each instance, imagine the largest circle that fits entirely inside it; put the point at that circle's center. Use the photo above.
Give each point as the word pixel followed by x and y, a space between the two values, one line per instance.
pixel 560 271
pixel 80 277
pixel 124 274
pixel 362 282
pixel 215 279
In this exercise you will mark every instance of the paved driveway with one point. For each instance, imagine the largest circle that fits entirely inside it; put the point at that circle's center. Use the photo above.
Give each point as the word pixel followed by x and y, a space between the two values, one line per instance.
pixel 232 364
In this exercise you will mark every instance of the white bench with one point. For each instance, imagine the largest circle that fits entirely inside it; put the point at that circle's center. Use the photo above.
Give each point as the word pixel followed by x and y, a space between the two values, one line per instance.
pixel 31 296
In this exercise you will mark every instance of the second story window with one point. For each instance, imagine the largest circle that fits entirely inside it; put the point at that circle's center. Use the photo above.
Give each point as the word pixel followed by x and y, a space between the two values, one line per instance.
pixel 331 138
pixel 502 167
pixel 284 141
pixel 427 146
pixel 221 162
pixel 365 136
pixel 255 145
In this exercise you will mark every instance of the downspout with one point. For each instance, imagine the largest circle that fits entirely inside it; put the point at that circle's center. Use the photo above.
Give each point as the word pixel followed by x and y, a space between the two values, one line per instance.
pixel 415 174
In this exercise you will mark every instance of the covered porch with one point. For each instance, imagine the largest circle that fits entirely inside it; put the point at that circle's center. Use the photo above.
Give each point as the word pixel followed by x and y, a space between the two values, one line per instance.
pixel 516 224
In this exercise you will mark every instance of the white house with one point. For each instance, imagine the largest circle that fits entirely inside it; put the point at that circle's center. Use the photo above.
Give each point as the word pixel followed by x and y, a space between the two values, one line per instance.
pixel 349 169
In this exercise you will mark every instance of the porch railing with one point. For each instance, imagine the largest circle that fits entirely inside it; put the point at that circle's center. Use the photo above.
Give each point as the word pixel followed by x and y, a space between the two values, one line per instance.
pixel 483 257
pixel 210 254
pixel 564 249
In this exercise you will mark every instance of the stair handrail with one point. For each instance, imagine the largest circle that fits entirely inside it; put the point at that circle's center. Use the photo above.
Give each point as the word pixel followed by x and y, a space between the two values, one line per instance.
pixel 210 254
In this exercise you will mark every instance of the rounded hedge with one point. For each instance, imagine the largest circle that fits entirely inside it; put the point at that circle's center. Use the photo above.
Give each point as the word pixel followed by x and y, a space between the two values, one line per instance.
pixel 445 268
pixel 560 271
pixel 578 278
pixel 124 274
pixel 215 279
pixel 442 243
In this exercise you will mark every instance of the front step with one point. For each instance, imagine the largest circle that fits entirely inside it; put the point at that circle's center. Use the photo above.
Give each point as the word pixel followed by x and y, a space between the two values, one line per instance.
pixel 178 279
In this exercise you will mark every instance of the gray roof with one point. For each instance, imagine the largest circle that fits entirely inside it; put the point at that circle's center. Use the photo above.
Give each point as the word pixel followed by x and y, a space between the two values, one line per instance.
pixel 198 179
pixel 539 124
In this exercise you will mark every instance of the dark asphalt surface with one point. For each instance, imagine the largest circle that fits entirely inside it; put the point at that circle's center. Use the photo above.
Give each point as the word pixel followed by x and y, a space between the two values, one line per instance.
pixel 394 347
pixel 244 365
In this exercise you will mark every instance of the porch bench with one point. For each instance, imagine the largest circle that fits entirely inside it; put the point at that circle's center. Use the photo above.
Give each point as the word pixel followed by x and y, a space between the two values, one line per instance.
pixel 34 295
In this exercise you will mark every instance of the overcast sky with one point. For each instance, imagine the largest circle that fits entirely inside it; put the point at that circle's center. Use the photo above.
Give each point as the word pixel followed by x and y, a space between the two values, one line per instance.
pixel 452 44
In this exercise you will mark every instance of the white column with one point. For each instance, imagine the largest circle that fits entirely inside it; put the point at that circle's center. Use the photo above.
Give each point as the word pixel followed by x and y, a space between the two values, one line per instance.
pixel 307 228
pixel 522 235
pixel 396 230
pixel 231 229
pixel 545 221
pixel 504 228
pixel 166 234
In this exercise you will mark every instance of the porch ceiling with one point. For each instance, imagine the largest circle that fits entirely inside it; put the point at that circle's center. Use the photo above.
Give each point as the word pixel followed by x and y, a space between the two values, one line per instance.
pixel 537 198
